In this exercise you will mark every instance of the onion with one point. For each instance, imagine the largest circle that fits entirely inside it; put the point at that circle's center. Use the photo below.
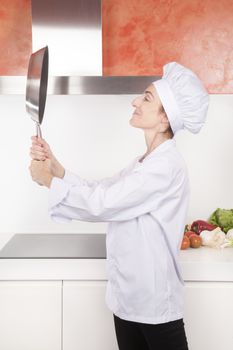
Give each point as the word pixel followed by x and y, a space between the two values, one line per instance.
pixel 230 234
pixel 214 238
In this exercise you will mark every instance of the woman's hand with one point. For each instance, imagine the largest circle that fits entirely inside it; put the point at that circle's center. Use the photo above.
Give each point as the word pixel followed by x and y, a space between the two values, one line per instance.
pixel 40 150
pixel 41 172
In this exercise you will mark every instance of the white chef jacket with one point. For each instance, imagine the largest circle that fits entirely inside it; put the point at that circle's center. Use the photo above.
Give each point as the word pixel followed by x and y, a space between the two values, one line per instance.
pixel 146 206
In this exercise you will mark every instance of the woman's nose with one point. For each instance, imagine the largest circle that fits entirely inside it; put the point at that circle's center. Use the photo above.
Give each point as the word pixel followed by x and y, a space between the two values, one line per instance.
pixel 136 102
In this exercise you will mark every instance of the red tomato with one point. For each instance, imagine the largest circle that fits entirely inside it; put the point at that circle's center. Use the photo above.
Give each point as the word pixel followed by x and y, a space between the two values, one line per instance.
pixel 189 233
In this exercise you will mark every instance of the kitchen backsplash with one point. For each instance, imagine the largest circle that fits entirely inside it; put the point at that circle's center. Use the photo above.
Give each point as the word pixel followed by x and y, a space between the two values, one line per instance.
pixel 15 36
pixel 139 37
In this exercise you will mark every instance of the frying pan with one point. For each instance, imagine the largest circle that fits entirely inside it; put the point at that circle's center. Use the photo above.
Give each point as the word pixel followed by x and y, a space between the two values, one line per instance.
pixel 36 90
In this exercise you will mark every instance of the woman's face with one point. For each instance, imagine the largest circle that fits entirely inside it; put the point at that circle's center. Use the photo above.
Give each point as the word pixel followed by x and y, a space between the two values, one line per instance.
pixel 147 113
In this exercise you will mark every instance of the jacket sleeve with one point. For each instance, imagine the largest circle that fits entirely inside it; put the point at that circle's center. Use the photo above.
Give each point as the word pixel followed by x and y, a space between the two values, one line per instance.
pixel 74 179
pixel 125 198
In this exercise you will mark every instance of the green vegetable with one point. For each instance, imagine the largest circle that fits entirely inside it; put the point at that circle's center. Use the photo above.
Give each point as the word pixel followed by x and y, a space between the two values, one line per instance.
pixel 222 218
pixel 187 228
pixel 229 243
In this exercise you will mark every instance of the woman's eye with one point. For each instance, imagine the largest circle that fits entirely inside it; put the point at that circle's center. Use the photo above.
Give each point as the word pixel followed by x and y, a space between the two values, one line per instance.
pixel 146 99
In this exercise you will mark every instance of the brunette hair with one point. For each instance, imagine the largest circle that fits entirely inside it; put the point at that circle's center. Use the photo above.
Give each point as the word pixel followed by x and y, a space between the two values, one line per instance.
pixel 169 129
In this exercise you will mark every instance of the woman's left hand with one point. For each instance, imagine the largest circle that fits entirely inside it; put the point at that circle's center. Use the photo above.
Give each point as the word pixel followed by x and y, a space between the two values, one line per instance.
pixel 41 172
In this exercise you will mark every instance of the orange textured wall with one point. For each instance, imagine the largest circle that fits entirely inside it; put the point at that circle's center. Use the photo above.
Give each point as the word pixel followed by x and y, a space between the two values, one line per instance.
pixel 15 36
pixel 140 36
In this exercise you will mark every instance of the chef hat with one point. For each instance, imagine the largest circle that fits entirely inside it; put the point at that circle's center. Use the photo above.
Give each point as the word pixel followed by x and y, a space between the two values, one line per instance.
pixel 183 96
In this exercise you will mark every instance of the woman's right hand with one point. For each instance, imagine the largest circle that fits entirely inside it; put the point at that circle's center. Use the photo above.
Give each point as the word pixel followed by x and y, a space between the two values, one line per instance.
pixel 40 150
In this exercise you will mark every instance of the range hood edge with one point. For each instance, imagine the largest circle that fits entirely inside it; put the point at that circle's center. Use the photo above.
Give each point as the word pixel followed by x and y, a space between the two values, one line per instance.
pixel 81 85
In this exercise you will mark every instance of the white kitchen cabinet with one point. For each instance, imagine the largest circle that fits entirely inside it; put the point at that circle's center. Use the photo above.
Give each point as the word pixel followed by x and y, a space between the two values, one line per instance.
pixel 87 323
pixel 51 304
pixel 209 315
pixel 30 315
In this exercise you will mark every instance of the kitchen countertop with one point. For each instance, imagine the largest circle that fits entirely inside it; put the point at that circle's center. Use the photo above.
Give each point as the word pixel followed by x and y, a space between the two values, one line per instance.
pixel 83 256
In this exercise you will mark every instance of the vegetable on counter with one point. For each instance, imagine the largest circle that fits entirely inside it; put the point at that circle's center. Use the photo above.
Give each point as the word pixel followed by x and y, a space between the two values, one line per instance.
pixel 222 218
pixel 191 239
pixel 228 239
pixel 195 241
pixel 217 232
pixel 229 234
pixel 189 233
pixel 200 225
pixel 187 228
pixel 215 238
pixel 185 243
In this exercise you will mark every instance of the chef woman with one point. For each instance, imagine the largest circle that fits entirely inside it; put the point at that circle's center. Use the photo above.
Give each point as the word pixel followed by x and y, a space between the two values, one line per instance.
pixel 145 205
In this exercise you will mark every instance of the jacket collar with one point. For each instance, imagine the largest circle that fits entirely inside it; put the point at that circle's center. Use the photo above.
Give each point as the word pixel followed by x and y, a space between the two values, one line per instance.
pixel 161 148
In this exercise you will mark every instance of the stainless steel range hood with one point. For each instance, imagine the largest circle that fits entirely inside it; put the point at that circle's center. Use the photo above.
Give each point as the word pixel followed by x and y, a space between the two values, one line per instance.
pixel 72 29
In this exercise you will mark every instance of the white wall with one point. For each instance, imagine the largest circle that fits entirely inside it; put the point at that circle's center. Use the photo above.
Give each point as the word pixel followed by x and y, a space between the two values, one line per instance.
pixel 91 135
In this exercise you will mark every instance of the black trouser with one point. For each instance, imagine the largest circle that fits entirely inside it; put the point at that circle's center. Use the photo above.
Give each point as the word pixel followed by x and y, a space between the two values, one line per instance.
pixel 142 336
